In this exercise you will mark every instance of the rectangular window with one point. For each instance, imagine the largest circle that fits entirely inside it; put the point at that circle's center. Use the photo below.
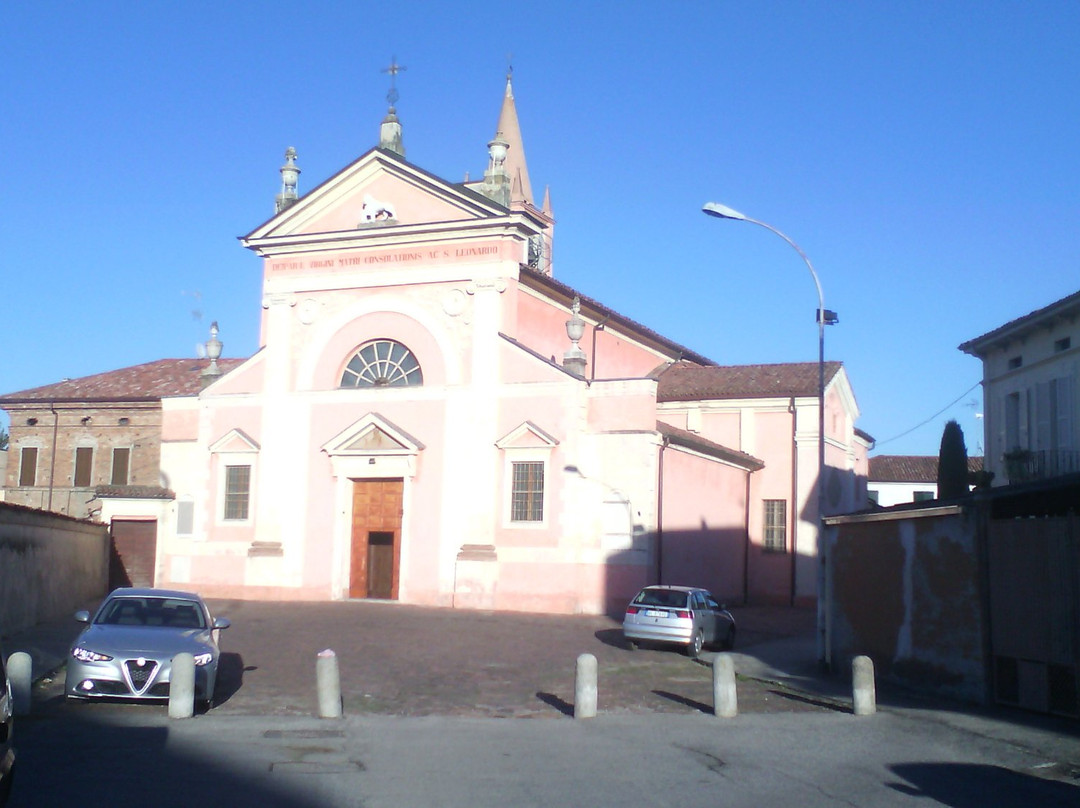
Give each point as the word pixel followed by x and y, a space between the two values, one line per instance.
pixel 1015 362
pixel 185 517
pixel 1062 344
pixel 1012 422
pixel 84 464
pixel 775 535
pixel 28 466
pixel 527 498
pixel 237 491
pixel 922 496
pixel 121 459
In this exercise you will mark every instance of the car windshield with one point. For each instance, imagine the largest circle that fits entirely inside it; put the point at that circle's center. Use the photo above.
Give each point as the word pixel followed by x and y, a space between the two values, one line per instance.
pixel 668 598
pixel 150 611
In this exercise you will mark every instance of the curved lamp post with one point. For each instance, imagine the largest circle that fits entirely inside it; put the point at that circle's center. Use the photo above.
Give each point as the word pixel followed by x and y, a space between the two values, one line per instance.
pixel 824 317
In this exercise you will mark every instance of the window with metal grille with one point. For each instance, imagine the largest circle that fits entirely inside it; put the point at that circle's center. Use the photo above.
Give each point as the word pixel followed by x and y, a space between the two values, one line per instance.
pixel 237 491
pixel 382 363
pixel 28 466
pixel 527 498
pixel 775 533
pixel 84 464
pixel 121 460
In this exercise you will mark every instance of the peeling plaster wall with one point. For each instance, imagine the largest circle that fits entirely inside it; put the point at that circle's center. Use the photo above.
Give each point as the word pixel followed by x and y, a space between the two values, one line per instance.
pixel 907 595
pixel 50 565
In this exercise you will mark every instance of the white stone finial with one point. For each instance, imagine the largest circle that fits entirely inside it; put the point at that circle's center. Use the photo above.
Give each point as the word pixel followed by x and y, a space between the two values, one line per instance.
pixel 290 174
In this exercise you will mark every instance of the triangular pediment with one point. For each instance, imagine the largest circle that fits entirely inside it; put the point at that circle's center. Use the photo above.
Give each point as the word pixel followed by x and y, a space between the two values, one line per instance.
pixel 234 441
pixel 377 192
pixel 372 435
pixel 526 435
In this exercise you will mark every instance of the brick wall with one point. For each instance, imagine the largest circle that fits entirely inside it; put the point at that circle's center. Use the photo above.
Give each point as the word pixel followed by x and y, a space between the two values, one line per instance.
pixel 99 428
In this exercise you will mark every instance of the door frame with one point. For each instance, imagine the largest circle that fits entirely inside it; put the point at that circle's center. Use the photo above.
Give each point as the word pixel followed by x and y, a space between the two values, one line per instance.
pixel 360 546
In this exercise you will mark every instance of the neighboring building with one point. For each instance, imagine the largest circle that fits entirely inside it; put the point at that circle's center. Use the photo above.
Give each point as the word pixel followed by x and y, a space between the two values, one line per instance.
pixel 899 479
pixel 72 440
pixel 771 412
pixel 83 445
pixel 1031 390
pixel 433 418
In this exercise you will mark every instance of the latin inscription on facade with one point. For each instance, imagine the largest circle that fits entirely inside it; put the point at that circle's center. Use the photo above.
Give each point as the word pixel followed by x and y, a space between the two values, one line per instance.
pixel 434 255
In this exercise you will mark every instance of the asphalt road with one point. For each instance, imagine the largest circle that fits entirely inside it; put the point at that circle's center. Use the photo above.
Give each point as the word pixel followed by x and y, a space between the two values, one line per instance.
pixel 424 689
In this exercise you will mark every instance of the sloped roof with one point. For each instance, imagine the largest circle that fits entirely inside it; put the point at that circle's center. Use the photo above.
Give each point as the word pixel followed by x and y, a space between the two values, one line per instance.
pixel 691 440
pixel 558 290
pixel 1064 309
pixel 910 468
pixel 684 381
pixel 151 381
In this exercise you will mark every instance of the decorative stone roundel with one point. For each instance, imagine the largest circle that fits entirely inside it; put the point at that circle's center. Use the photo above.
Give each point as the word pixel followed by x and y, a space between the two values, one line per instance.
pixel 382 363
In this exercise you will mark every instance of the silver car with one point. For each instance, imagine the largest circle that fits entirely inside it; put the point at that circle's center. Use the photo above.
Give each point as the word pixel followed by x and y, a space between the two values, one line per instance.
pixel 127 649
pixel 678 615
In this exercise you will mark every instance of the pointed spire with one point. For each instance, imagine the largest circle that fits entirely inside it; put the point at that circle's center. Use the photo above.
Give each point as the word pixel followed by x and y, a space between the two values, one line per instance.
pixel 509 131
pixel 390 132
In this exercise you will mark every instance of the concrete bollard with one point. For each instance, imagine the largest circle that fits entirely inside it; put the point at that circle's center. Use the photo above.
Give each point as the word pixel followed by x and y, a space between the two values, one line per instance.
pixel 20 670
pixel 328 684
pixel 725 694
pixel 585 687
pixel 182 686
pixel 864 695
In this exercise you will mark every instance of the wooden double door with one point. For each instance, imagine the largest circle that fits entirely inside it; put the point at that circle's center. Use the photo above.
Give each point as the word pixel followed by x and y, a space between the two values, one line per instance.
pixel 376 539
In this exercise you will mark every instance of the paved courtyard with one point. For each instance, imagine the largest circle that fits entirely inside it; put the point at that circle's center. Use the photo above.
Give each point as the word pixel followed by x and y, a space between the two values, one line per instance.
pixel 396 659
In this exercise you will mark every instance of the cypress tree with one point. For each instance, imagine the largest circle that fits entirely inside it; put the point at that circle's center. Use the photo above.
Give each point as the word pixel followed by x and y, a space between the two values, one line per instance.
pixel 952 475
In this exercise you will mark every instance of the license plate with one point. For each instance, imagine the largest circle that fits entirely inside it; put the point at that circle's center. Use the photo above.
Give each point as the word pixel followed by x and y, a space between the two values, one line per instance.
pixel 655 613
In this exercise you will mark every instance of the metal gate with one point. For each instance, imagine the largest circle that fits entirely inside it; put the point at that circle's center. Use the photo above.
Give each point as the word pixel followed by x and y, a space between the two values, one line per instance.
pixel 1034 577
pixel 134 552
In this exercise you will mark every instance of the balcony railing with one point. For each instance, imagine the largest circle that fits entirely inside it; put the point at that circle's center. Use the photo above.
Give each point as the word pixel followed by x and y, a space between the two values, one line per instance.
pixel 1026 465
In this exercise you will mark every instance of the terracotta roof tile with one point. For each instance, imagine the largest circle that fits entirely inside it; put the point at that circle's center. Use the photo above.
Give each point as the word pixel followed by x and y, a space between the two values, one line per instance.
pixel 684 381
pixel 910 468
pixel 149 382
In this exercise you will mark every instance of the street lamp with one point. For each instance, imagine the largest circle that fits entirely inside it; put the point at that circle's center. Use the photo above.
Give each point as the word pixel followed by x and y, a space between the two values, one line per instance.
pixel 824 317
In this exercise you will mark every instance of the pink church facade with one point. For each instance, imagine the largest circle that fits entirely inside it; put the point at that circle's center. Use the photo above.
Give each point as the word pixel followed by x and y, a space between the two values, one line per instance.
pixel 432 418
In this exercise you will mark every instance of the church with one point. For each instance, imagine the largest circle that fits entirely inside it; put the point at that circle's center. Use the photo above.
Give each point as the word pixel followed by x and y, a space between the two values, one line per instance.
pixel 433 418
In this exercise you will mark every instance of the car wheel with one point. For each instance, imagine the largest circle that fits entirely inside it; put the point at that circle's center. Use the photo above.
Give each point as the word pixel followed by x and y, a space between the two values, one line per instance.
pixel 697 642
pixel 729 640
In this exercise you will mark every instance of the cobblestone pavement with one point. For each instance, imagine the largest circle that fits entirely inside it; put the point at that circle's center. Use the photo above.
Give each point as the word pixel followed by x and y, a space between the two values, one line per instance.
pixel 405 660
pixel 396 659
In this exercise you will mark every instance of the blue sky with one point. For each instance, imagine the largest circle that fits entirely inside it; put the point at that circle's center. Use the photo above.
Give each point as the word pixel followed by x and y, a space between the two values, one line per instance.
pixel 923 155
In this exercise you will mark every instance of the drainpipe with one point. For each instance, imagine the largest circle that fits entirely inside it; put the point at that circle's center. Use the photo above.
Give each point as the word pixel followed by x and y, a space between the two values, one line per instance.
pixel 52 463
pixel 746 545
pixel 660 513
pixel 794 496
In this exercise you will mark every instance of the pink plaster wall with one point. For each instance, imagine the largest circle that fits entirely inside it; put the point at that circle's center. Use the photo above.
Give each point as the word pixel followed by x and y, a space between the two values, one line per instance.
pixel 391 325
pixel 542 326
pixel 622 412
pixel 704 536
pixel 411 204
pixel 179 425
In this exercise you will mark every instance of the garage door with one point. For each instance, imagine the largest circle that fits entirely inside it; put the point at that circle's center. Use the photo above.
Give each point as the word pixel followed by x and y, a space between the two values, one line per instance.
pixel 134 547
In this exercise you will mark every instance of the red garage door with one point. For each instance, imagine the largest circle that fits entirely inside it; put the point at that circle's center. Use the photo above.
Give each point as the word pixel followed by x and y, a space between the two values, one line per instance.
pixel 134 546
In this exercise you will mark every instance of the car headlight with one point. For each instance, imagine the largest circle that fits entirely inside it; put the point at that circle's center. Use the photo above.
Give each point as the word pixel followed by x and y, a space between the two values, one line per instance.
pixel 86 655
pixel 203 659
